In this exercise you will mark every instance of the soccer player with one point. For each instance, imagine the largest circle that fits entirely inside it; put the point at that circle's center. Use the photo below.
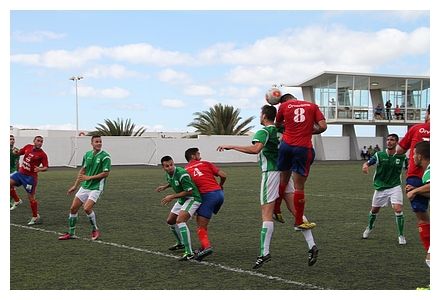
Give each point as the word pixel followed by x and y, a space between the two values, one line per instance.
pixel 14 160
pixel 387 185
pixel 92 176
pixel 204 173
pixel 34 161
pixel 188 201
pixel 419 204
pixel 422 159
pixel 300 119
pixel 265 145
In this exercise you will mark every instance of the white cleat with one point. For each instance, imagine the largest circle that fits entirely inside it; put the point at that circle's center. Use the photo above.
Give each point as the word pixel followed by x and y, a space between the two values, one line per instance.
pixel 402 240
pixel 16 204
pixel 366 233
pixel 35 220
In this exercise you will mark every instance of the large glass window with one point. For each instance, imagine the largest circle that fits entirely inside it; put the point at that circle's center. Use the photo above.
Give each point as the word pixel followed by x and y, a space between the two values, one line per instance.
pixel 361 92
pixel 345 90
pixel 325 95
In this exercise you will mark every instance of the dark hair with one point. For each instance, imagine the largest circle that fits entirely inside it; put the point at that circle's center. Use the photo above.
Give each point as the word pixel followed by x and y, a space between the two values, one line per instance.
pixel 190 152
pixel 395 136
pixel 38 136
pixel 422 148
pixel 94 137
pixel 269 111
pixel 11 135
pixel 429 109
pixel 286 97
pixel 165 158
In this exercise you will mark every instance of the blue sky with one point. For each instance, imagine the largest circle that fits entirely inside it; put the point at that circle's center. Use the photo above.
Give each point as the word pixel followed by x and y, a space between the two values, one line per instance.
pixel 159 67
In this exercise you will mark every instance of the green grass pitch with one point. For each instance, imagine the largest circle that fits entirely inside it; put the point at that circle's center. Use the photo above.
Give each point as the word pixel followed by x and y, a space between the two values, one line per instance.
pixel 132 252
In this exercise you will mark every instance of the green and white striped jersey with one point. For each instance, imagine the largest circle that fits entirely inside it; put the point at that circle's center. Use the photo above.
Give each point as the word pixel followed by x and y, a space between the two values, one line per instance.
pixel 95 164
pixel 268 156
pixel 181 181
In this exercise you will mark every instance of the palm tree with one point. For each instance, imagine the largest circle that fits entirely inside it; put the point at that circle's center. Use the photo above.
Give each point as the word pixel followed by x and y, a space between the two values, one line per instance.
pixel 220 120
pixel 117 128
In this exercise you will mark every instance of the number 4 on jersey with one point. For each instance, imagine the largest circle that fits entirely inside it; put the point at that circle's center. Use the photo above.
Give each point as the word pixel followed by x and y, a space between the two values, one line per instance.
pixel 197 172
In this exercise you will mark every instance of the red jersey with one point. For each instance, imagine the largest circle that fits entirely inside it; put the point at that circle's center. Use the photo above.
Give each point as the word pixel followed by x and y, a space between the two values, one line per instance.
pixel 416 133
pixel 299 117
pixel 32 158
pixel 202 173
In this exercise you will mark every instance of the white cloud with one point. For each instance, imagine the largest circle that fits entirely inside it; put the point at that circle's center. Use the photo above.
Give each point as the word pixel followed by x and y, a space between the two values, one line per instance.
pixel 144 53
pixel 131 53
pixel 296 54
pixel 326 47
pixel 36 36
pixel 172 76
pixel 173 103
pixel 199 90
pixel 111 71
pixel 91 92
pixel 61 59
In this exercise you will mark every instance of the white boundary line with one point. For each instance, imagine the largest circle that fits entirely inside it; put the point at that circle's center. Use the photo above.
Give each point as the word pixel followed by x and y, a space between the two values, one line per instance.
pixel 231 269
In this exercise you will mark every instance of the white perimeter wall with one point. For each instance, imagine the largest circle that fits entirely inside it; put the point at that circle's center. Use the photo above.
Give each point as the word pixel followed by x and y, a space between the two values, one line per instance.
pixel 142 150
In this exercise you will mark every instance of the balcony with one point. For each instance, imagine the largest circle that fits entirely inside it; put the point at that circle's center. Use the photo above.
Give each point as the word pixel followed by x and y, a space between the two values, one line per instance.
pixel 366 115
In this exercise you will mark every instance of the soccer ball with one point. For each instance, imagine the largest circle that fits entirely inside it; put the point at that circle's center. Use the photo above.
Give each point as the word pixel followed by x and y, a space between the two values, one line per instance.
pixel 273 96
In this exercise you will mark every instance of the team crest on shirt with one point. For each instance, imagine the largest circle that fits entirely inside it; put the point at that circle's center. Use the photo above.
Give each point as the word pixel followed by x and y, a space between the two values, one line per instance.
pixel 397 161
pixel 176 183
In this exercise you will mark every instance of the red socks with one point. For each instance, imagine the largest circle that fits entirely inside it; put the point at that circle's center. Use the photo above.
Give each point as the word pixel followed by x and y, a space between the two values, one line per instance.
pixel 34 207
pixel 13 194
pixel 424 233
pixel 203 237
pixel 298 203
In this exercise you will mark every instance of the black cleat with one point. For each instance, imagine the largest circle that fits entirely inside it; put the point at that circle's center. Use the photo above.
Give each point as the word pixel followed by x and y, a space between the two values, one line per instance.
pixel 313 255
pixel 177 247
pixel 261 260
pixel 186 257
pixel 202 253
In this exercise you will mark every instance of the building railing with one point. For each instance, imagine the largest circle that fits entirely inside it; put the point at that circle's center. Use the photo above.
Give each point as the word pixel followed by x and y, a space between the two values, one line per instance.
pixel 359 113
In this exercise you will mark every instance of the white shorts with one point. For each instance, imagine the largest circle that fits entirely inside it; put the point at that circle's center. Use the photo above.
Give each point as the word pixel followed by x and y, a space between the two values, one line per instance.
pixel 270 185
pixel 190 206
pixel 84 194
pixel 382 198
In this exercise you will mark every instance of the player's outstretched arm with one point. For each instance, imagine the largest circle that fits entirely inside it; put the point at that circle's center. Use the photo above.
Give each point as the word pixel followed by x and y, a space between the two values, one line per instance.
pixel 252 149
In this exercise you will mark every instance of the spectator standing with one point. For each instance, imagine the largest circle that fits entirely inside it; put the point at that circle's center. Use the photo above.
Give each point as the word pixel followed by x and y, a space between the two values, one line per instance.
pixel 388 109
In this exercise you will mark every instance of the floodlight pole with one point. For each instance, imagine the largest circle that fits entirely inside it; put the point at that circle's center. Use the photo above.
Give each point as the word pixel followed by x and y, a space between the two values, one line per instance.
pixel 75 79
